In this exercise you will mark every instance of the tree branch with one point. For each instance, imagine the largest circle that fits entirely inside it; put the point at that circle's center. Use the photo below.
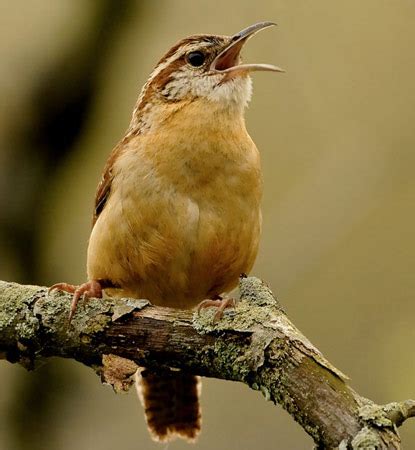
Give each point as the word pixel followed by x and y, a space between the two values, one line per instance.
pixel 255 344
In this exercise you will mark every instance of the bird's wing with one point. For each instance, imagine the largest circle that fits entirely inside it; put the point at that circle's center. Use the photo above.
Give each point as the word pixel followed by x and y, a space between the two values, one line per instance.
pixel 104 187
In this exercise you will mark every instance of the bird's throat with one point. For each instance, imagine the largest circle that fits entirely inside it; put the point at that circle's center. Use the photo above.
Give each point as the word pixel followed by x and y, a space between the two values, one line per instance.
pixel 224 105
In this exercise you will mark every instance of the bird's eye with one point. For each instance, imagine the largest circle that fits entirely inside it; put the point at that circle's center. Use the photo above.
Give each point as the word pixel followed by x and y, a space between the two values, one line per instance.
pixel 195 59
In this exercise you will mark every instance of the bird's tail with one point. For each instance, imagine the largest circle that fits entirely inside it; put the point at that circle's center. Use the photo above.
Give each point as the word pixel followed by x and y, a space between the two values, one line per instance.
pixel 171 404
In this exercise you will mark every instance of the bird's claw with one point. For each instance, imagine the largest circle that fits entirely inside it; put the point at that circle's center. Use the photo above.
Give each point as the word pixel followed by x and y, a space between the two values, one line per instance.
pixel 86 290
pixel 221 304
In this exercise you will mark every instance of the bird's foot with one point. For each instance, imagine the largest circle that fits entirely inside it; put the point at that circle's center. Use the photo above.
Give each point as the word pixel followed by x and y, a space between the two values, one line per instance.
pixel 92 288
pixel 217 302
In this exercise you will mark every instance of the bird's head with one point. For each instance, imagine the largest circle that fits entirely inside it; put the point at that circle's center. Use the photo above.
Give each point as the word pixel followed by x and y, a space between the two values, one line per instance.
pixel 200 67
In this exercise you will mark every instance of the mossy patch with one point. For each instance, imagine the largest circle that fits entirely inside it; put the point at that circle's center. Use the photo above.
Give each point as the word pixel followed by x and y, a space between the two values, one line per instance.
pixel 15 310
pixel 255 306
pixel 257 292
pixel 16 299
pixel 366 439
pixel 375 414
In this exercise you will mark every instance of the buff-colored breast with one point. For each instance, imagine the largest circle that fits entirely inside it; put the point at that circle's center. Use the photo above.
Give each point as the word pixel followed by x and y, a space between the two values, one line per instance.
pixel 183 218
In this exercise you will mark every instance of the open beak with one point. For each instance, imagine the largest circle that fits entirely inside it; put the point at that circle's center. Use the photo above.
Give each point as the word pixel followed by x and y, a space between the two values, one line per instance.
pixel 229 59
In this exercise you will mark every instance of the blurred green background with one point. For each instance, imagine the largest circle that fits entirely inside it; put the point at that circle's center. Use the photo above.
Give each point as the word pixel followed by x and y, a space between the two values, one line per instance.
pixel 337 138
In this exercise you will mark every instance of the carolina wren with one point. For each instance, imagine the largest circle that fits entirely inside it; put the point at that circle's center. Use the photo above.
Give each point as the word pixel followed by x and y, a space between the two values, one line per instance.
pixel 177 213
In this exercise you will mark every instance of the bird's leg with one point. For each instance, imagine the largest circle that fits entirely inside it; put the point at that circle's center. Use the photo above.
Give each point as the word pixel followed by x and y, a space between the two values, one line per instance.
pixel 218 302
pixel 92 288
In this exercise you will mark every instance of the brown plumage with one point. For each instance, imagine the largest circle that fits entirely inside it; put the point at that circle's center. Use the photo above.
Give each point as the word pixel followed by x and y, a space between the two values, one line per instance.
pixel 171 404
pixel 177 213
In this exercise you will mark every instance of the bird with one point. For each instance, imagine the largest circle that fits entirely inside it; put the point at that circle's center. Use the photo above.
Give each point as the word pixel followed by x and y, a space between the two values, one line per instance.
pixel 177 214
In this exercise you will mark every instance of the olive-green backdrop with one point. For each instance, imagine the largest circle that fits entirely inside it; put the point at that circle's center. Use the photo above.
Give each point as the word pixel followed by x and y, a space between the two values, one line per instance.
pixel 337 138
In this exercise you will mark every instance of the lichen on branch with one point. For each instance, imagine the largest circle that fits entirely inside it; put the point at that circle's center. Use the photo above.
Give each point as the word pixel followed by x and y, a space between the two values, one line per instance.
pixel 254 343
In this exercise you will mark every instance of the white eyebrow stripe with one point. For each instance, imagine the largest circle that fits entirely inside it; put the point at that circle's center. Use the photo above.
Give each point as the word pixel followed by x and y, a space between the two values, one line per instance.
pixel 182 50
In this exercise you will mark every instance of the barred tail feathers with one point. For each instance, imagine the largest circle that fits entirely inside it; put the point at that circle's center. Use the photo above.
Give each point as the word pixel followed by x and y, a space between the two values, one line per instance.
pixel 171 404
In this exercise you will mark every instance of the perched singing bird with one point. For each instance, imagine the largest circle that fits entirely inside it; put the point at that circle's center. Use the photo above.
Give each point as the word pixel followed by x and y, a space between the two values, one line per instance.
pixel 177 213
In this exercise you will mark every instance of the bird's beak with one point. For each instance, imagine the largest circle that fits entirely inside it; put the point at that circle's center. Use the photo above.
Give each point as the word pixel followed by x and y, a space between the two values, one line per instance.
pixel 228 59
